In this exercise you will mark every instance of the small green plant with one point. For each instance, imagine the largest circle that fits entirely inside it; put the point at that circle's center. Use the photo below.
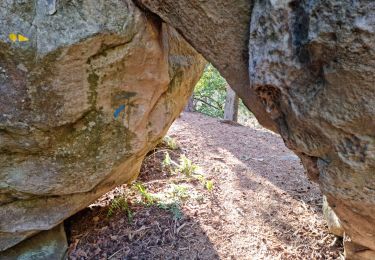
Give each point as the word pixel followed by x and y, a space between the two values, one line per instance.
pixel 170 142
pixel 209 185
pixel 167 162
pixel 149 199
pixel 186 166
pixel 200 178
pixel 120 204
pixel 179 191
pixel 173 207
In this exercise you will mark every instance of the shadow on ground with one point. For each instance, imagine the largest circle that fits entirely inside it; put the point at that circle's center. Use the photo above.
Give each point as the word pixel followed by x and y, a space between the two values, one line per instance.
pixel 267 187
pixel 137 230
pixel 262 153
pixel 153 234
pixel 261 206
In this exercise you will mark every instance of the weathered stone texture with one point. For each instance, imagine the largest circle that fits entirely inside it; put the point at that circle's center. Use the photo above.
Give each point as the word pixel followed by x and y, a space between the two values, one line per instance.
pixel 313 64
pixel 93 89
pixel 219 30
pixel 47 245
pixel 333 221
pixel 98 83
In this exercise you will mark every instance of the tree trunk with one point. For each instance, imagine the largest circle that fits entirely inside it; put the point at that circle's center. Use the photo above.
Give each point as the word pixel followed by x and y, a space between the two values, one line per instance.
pixel 231 105
pixel 190 105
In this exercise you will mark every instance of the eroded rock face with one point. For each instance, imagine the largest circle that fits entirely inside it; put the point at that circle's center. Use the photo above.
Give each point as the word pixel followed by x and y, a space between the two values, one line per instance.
pixel 95 85
pixel 46 245
pixel 316 75
pixel 312 65
pixel 333 221
pixel 219 30
pixel 87 89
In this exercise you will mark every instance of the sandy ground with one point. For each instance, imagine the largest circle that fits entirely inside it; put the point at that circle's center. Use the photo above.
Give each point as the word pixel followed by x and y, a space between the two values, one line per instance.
pixel 260 206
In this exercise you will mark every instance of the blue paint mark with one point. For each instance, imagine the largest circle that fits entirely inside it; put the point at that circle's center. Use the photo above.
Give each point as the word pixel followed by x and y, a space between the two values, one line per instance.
pixel 118 111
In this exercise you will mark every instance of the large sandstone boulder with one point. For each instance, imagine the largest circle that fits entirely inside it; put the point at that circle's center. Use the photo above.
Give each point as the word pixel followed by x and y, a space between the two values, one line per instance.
pixel 219 30
pixel 87 89
pixel 46 245
pixel 333 221
pixel 311 65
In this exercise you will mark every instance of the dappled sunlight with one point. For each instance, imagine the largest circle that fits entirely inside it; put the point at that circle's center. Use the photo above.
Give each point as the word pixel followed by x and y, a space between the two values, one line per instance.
pixel 259 203
pixel 266 204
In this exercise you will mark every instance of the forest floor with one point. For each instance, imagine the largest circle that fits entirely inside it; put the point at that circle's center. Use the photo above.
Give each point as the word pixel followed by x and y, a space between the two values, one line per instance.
pixel 226 192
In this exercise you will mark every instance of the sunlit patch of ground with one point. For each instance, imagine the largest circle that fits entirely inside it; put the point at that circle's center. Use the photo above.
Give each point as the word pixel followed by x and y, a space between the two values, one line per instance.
pixel 249 199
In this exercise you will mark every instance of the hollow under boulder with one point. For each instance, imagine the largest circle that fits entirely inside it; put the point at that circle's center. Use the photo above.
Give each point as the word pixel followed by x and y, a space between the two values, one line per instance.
pixel 87 89
pixel 311 65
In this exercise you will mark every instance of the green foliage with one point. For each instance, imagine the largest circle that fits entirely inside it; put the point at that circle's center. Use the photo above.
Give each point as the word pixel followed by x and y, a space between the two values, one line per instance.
pixel 148 198
pixel 210 93
pixel 179 191
pixel 120 204
pixel 170 143
pixel 167 162
pixel 177 194
pixel 170 165
pixel 209 185
pixel 173 207
pixel 186 166
pixel 200 178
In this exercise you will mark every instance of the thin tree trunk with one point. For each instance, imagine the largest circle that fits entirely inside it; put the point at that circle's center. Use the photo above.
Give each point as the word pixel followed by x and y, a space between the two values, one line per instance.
pixel 190 105
pixel 231 105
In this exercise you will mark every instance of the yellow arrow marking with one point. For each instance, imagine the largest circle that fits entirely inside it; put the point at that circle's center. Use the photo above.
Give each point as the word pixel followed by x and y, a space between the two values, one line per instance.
pixel 13 37
pixel 22 38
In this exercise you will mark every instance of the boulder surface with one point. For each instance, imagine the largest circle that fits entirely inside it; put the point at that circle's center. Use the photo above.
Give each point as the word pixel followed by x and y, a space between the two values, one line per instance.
pixel 311 66
pixel 219 30
pixel 87 89
pixel 46 245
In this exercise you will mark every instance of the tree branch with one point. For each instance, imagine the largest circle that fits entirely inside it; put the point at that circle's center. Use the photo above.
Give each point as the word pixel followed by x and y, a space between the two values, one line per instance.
pixel 208 104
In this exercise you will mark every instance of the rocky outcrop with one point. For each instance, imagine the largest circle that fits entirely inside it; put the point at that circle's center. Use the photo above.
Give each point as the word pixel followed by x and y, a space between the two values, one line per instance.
pixel 219 30
pixel 354 251
pixel 46 245
pixel 87 89
pixel 333 221
pixel 313 64
pixel 312 67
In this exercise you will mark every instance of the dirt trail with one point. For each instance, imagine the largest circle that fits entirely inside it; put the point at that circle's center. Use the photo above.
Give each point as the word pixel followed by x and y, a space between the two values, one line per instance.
pixel 261 205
